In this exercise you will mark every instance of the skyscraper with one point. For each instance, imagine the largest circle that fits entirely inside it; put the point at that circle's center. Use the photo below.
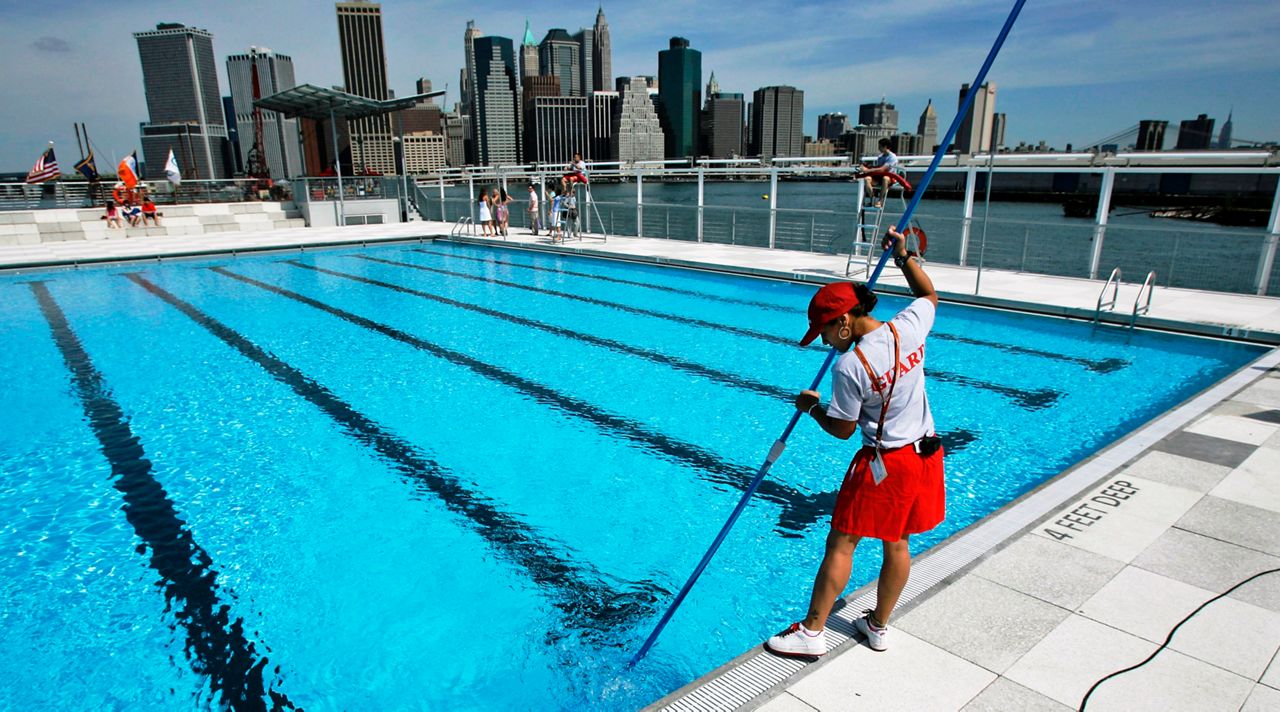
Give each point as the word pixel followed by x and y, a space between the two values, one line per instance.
pixel 1224 138
pixel 531 89
pixel 184 103
pixel 604 105
pixel 281 153
pixel 558 57
pixel 528 54
pixel 927 128
pixel 721 125
pixel 637 134
pixel 832 126
pixel 777 121
pixel 423 86
pixel 586 39
pixel 1196 133
pixel 468 108
pixel 561 128
pixel 880 115
pixel 496 119
pixel 975 130
pixel 998 123
pixel 1151 135
pixel 679 92
pixel 602 61
pixel 364 73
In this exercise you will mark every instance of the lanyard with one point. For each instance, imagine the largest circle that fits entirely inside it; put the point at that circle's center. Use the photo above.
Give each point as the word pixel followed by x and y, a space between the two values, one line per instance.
pixel 885 398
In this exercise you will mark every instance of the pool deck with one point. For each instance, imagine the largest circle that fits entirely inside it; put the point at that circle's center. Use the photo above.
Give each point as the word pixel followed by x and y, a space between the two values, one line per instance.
pixel 1024 611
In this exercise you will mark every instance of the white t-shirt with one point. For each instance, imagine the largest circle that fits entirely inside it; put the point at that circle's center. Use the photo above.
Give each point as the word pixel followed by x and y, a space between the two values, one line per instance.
pixel 854 398
pixel 533 201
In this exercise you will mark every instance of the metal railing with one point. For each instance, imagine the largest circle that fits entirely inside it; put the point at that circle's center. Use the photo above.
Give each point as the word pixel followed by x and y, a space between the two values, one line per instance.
pixel 1114 283
pixel 80 194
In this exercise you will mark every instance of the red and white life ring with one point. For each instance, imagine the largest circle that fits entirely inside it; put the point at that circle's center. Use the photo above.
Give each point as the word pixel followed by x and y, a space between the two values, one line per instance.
pixel 922 241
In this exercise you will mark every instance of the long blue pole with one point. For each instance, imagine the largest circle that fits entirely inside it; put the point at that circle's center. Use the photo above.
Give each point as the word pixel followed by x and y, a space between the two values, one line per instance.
pixel 781 443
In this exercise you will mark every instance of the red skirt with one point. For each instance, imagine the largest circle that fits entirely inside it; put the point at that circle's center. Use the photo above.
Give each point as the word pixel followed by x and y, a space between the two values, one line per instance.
pixel 910 500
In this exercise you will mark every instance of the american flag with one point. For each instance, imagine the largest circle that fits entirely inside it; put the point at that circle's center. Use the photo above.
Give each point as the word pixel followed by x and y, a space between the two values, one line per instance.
pixel 46 168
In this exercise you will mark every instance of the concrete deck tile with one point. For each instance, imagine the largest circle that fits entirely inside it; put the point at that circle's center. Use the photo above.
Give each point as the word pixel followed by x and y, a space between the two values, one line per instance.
pixel 1010 623
pixel 1214 566
pixel 1239 523
pixel 1004 695
pixel 1073 656
pixel 1256 481
pixel 911 676
pixel 1265 393
pixel 1272 676
pixel 786 702
pixel 1262 699
pixel 1127 603
pixel 1022 564
pixel 1120 536
pixel 1218 451
pixel 1184 472
pixel 1233 427
pixel 1270 415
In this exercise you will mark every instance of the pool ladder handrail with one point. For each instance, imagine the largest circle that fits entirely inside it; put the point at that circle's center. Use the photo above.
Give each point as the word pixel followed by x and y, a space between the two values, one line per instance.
pixel 1148 286
pixel 462 224
pixel 1114 282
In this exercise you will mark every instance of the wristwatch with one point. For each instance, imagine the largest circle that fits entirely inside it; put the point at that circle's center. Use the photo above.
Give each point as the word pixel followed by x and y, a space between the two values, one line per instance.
pixel 901 261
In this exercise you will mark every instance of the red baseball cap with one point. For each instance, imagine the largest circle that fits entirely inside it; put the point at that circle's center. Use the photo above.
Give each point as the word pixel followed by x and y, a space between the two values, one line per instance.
pixel 831 302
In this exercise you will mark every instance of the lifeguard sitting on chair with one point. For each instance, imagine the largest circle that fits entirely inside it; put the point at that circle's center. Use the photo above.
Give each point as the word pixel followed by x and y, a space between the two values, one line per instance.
pixel 577 172
pixel 883 171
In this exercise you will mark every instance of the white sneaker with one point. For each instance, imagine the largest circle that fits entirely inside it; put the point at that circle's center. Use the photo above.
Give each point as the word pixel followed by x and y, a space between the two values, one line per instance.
pixel 875 635
pixel 798 642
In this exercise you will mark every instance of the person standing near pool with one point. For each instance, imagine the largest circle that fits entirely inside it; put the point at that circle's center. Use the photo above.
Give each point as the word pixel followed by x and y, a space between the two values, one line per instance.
pixel 894 486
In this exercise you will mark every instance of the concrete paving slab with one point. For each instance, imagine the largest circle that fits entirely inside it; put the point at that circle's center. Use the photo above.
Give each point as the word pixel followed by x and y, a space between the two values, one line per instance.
pixel 911 676
pixel 786 702
pixel 982 622
pixel 1073 656
pixel 1218 451
pixel 1256 481
pixel 1264 393
pixel 1231 427
pixel 1239 523
pixel 1262 699
pixel 1127 603
pixel 1178 471
pixel 1271 677
pixel 1022 564
pixel 1121 536
pixel 1214 566
pixel 1004 695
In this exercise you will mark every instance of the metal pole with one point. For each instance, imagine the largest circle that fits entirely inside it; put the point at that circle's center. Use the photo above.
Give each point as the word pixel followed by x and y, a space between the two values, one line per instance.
pixel 986 216
pixel 1269 246
pixel 404 168
pixel 337 167
pixel 471 198
pixel 1026 240
pixel 700 201
pixel 443 216
pixel 773 206
pixel 970 185
pixel 639 203
pixel 1100 229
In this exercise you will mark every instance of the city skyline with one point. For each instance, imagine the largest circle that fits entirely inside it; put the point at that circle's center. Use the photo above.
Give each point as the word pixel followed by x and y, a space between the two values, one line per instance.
pixel 1061 58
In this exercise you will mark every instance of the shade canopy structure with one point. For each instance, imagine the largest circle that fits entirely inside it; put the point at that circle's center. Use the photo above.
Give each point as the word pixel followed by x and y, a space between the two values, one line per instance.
pixel 308 101
pixel 312 102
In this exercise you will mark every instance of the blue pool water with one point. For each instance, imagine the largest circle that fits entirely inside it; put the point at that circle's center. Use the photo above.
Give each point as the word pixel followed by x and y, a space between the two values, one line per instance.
pixel 442 476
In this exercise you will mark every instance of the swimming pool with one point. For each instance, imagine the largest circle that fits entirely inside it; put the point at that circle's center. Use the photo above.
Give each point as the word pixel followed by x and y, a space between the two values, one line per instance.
pixel 448 476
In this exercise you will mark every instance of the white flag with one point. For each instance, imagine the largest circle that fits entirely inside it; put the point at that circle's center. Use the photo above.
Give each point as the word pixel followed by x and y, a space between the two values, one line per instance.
pixel 171 169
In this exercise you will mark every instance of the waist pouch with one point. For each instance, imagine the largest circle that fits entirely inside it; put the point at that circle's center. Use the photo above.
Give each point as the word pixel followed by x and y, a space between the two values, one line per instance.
pixel 928 445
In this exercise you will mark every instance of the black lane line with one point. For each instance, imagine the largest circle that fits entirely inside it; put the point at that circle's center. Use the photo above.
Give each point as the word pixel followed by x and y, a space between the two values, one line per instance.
pixel 1104 365
pixel 587 601
pixel 1030 399
pixel 215 644
pixel 956 440
pixel 615 280
pixel 798 509
pixel 771 338
pixel 697 369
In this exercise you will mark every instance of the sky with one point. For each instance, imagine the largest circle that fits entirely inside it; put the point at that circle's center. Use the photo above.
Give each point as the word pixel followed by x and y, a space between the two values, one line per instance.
pixel 1072 71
